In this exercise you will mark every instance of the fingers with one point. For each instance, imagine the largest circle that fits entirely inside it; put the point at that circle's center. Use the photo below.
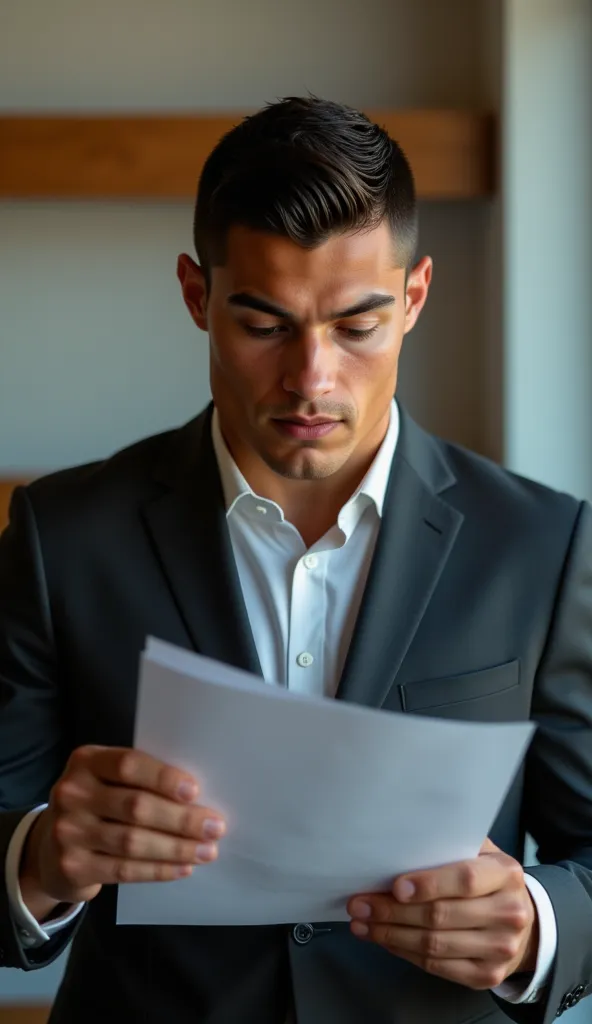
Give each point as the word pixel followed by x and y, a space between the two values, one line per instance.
pixel 133 768
pixel 83 867
pixel 504 910
pixel 129 842
pixel 476 944
pixel 467 879
pixel 82 789
pixel 121 816
pixel 479 975
pixel 148 811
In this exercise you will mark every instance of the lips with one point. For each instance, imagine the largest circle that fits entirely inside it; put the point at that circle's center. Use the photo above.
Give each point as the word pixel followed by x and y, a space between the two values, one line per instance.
pixel 306 430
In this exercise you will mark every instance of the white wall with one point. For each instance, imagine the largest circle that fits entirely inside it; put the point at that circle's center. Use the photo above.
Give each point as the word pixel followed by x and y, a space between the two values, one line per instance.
pixel 548 241
pixel 545 239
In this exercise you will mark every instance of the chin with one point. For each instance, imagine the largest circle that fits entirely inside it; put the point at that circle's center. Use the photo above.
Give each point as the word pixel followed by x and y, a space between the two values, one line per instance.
pixel 306 464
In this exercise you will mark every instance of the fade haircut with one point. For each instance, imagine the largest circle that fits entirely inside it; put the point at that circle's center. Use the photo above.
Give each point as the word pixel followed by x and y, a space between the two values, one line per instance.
pixel 305 168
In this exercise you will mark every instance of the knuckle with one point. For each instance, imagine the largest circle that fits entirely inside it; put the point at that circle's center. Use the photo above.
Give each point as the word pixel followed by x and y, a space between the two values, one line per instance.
pixel 491 976
pixel 189 822
pixel 432 945
pixel 427 888
pixel 437 915
pixel 515 874
pixel 508 948
pixel 138 808
pixel 64 793
pixel 382 910
pixel 469 878
pixel 431 965
pixel 123 871
pixel 164 872
pixel 183 853
pixel 62 830
pixel 516 916
pixel 70 867
pixel 131 843
pixel 167 779
pixel 80 756
pixel 129 766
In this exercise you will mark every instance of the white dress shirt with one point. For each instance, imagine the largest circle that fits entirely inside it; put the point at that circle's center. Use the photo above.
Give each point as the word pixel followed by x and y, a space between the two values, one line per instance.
pixel 302 606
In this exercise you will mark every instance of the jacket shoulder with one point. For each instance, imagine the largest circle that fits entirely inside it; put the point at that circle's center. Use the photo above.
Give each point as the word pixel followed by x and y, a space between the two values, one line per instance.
pixel 506 495
pixel 82 494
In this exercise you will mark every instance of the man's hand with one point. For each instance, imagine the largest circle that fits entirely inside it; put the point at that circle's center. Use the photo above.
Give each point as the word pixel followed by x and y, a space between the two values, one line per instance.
pixel 472 922
pixel 115 815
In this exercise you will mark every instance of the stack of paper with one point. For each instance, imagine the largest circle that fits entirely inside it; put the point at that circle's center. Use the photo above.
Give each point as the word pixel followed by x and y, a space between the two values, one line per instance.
pixel 322 799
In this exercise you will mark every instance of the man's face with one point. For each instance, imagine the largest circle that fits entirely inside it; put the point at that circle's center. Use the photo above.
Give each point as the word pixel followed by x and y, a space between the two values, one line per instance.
pixel 305 344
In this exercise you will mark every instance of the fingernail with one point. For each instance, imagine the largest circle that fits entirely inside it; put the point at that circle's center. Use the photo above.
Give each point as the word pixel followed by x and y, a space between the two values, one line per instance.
pixel 184 870
pixel 213 828
pixel 187 790
pixel 404 889
pixel 359 929
pixel 205 851
pixel 361 909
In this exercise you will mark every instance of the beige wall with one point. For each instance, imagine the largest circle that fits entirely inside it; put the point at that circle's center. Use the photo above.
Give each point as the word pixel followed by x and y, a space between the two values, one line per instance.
pixel 95 347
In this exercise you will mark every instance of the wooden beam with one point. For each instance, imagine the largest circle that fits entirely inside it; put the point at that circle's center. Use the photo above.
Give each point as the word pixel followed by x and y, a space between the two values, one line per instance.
pixel 137 157
pixel 6 489
pixel 24 1014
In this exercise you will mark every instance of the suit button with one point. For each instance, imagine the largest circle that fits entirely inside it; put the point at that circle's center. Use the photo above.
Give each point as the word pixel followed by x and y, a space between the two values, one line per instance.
pixel 302 934
pixel 578 992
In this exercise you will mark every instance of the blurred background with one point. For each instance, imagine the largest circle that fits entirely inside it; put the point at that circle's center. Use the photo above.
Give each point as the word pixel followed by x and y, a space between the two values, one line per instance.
pixel 96 348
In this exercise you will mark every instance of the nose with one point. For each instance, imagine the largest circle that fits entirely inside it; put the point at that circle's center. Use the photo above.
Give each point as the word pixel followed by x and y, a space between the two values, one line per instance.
pixel 310 367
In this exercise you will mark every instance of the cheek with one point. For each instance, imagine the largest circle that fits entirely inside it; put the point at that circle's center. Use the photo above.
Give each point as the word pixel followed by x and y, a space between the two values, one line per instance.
pixel 372 372
pixel 245 367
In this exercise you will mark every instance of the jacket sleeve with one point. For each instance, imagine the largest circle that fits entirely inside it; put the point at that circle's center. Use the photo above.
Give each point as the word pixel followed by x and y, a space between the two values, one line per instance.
pixel 33 721
pixel 558 788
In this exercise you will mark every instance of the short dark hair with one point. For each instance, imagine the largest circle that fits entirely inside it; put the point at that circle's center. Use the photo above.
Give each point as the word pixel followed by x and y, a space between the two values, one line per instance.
pixel 305 168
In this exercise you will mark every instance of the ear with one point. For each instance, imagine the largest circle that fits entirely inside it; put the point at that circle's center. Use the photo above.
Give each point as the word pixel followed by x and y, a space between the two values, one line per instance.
pixel 416 290
pixel 193 286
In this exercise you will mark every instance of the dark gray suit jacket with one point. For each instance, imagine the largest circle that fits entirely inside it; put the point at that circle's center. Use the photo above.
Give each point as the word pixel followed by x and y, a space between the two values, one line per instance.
pixel 478 607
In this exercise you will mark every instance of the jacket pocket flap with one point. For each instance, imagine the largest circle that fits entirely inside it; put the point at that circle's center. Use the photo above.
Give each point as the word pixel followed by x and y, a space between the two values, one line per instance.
pixel 433 693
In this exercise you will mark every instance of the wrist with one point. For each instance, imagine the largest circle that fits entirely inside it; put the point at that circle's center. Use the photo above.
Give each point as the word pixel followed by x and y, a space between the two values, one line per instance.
pixel 39 903
pixel 41 906
pixel 528 962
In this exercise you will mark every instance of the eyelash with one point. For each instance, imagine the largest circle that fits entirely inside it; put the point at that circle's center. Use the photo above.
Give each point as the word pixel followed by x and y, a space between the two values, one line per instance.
pixel 351 332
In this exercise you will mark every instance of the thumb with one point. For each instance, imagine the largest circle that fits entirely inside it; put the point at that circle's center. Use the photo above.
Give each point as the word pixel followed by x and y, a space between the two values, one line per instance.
pixel 488 847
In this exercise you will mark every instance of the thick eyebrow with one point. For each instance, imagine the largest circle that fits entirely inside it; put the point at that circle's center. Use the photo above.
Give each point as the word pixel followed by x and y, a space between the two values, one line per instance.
pixel 375 300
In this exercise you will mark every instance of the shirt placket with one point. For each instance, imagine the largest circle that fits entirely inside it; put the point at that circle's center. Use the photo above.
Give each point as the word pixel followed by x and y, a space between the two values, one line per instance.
pixel 307 621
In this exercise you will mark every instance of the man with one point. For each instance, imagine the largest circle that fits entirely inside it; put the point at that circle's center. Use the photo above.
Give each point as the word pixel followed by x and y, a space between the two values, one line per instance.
pixel 303 527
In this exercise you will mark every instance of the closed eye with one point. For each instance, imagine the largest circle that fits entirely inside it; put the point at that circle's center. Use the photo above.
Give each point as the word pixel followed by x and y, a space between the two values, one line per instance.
pixel 356 334
pixel 360 333
pixel 264 332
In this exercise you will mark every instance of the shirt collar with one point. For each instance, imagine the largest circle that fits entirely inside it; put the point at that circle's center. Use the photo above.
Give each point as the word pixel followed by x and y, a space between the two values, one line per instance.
pixel 373 486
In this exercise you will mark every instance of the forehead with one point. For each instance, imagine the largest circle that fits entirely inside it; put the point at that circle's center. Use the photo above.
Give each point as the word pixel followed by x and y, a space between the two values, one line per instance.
pixel 277 267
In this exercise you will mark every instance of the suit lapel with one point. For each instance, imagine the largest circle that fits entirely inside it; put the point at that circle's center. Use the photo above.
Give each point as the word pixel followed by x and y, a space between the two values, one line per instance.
pixel 416 537
pixel 187 525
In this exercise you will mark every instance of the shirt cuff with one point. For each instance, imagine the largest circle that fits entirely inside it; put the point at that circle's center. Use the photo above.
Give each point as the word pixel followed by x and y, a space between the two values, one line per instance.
pixel 31 933
pixel 514 992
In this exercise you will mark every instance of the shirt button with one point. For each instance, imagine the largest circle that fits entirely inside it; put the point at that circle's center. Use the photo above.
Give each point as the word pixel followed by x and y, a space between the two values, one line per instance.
pixel 262 509
pixel 305 659
pixel 310 561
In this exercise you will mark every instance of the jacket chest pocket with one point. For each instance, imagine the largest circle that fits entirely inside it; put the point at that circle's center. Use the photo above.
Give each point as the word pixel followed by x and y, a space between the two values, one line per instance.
pixel 491 694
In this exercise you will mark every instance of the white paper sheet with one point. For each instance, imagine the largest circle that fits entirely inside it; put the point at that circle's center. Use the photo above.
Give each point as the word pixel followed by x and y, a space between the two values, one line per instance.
pixel 323 799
